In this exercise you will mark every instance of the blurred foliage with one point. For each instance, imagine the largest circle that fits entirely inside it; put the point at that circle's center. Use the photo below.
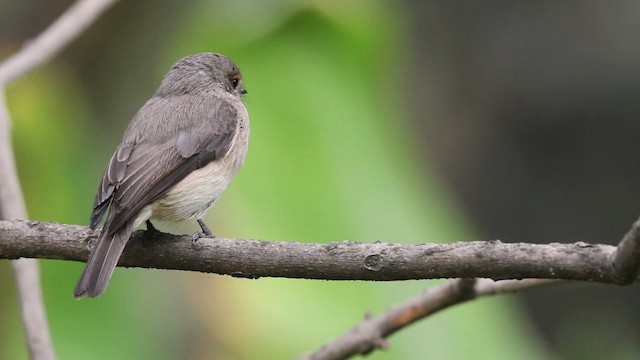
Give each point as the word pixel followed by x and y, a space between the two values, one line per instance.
pixel 332 157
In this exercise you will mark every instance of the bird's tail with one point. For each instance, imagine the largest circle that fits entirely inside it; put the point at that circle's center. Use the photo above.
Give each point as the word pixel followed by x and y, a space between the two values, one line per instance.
pixel 103 261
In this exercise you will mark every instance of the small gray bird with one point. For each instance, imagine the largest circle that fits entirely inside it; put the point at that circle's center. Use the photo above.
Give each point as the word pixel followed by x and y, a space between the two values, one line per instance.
pixel 178 155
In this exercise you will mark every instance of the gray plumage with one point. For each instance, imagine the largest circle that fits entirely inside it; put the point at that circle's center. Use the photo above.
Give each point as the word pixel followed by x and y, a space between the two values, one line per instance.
pixel 177 156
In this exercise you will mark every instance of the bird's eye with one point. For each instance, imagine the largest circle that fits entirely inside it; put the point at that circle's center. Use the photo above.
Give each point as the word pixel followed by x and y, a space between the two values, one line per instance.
pixel 234 82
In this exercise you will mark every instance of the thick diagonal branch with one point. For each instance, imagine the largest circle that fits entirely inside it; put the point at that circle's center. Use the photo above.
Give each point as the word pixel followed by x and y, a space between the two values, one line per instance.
pixel 335 261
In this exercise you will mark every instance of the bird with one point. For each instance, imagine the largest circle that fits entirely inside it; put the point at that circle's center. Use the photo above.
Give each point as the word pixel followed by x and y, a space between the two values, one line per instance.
pixel 177 156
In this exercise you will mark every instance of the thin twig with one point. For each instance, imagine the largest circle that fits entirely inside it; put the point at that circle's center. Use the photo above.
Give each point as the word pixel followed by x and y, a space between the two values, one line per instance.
pixel 626 259
pixel 372 333
pixel 37 52
pixel 26 272
pixel 56 37
pixel 334 261
pixel 11 200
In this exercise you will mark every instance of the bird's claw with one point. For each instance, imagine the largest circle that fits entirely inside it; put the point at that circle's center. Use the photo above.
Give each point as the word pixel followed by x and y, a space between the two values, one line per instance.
pixel 196 236
pixel 205 233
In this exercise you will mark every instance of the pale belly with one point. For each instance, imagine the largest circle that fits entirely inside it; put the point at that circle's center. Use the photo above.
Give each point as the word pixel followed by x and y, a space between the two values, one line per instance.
pixel 195 194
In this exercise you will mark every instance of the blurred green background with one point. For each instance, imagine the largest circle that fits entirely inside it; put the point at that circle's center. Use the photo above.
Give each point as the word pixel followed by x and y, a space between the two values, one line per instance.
pixel 371 120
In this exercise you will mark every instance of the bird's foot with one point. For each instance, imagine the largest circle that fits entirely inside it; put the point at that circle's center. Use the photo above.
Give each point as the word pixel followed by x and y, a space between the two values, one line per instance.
pixel 205 233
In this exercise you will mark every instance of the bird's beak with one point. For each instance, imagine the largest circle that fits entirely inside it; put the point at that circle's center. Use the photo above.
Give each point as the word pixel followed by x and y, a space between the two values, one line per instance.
pixel 243 91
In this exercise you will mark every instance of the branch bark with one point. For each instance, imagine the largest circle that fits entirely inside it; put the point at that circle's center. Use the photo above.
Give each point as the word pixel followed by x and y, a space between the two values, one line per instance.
pixel 335 261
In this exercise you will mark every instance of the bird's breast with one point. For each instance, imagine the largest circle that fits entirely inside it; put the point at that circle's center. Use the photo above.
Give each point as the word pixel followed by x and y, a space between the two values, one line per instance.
pixel 198 191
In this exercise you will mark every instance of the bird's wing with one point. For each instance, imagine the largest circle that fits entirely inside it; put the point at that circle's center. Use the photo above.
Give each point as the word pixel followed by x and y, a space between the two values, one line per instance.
pixel 141 172
pixel 112 177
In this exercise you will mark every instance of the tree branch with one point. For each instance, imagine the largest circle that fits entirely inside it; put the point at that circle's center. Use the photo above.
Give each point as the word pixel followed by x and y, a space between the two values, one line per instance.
pixel 347 260
pixel 626 259
pixel 56 37
pixel 26 271
pixel 371 333
pixel 335 261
